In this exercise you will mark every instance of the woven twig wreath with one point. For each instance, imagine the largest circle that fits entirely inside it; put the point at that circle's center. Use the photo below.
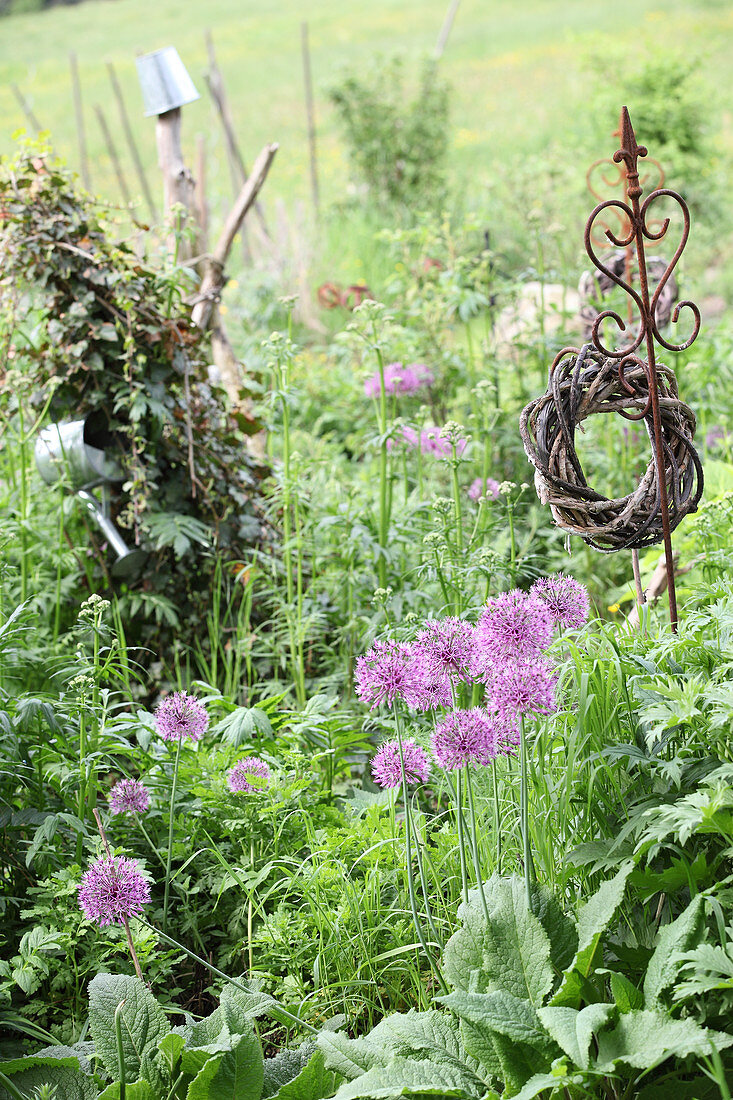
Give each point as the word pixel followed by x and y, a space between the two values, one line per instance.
pixel 594 286
pixel 585 383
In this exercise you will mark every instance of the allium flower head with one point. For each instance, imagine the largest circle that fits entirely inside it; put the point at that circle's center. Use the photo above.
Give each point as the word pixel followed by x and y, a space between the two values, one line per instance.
pixel 129 796
pixel 467 737
pixel 248 775
pixel 566 598
pixel 400 379
pixel 445 648
pixel 112 889
pixel 180 717
pixel 512 627
pixel 516 690
pixel 407 437
pixel 386 768
pixel 388 672
pixel 481 488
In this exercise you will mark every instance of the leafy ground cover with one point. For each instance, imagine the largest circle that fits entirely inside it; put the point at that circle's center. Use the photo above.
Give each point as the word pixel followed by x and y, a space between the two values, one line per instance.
pixel 396 803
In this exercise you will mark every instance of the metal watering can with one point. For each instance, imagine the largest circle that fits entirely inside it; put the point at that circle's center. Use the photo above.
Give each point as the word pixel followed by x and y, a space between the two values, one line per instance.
pixel 75 451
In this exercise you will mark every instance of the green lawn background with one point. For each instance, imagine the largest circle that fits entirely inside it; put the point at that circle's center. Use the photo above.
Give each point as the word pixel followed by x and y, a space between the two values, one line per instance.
pixel 519 73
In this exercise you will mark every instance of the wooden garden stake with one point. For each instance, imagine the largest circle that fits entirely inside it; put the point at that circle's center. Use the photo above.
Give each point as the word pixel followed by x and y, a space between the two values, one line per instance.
pixel 131 143
pixel 25 107
pixel 79 115
pixel 311 115
pixel 121 182
pixel 178 184
pixel 202 206
pixel 446 29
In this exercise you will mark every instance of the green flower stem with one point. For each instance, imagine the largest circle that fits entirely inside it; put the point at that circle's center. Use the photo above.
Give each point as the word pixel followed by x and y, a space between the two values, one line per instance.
pixel 220 974
pixel 524 814
pixel 120 1050
pixel 474 843
pixel 384 494
pixel 497 816
pixel 424 883
pixel 408 857
pixel 169 855
pixel 461 835
pixel 11 1089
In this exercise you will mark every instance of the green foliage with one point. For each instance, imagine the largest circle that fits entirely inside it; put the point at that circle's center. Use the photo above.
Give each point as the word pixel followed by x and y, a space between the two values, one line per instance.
pixel 93 332
pixel 397 145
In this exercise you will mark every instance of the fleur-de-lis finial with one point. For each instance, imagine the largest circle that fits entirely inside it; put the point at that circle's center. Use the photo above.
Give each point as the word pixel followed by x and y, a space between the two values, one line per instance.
pixel 630 153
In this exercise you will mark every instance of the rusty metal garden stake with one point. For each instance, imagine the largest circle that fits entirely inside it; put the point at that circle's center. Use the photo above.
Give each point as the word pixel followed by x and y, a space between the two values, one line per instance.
pixel 639 230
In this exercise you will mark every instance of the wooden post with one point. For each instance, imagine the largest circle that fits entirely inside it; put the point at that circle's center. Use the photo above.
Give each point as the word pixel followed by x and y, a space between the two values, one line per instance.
pixel 445 30
pixel 201 205
pixel 121 181
pixel 25 107
pixel 311 115
pixel 237 166
pixel 178 185
pixel 131 143
pixel 205 312
pixel 79 113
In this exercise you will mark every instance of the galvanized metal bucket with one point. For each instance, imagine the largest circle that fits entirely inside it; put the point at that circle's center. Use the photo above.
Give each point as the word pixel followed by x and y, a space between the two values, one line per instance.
pixel 164 81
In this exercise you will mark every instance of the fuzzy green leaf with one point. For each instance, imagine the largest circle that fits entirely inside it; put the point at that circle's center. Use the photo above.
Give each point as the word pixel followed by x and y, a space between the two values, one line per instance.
pixel 593 919
pixel 503 1013
pixel 235 1074
pixel 625 993
pixel 644 1039
pixel 312 1083
pixel 573 1030
pixel 143 1021
pixel 510 952
pixel 348 1057
pixel 433 1034
pixel 285 1067
pixel 139 1090
pixel 539 1084
pixel 411 1077
pixel 681 935
pixel 27 1074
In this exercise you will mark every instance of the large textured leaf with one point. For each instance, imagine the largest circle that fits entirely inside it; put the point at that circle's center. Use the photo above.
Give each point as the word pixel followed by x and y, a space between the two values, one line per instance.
pixel 644 1039
pixel 143 1025
pixel 560 929
pixel 480 1044
pixel 411 1077
pixel 510 952
pixel 28 1073
pixel 434 1035
pixel 540 1084
pixel 285 1067
pixel 681 935
pixel 139 1090
pixel 314 1082
pixel 574 1030
pixel 508 1029
pixel 349 1057
pixel 593 919
pixel 503 1013
pixel 236 1074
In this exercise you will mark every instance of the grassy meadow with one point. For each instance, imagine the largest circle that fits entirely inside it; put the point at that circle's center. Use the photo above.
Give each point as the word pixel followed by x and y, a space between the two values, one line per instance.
pixel 540 79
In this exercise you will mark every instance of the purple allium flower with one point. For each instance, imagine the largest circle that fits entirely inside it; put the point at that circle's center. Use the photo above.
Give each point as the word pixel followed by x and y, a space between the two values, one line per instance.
pixel 481 488
pixel 181 716
pixel 715 436
pixel 112 889
pixel 407 438
pixel 467 737
pixel 386 768
pixel 400 379
pixel 248 775
pixel 389 671
pixel 566 598
pixel 433 441
pixel 445 648
pixel 528 689
pixel 129 796
pixel 512 627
